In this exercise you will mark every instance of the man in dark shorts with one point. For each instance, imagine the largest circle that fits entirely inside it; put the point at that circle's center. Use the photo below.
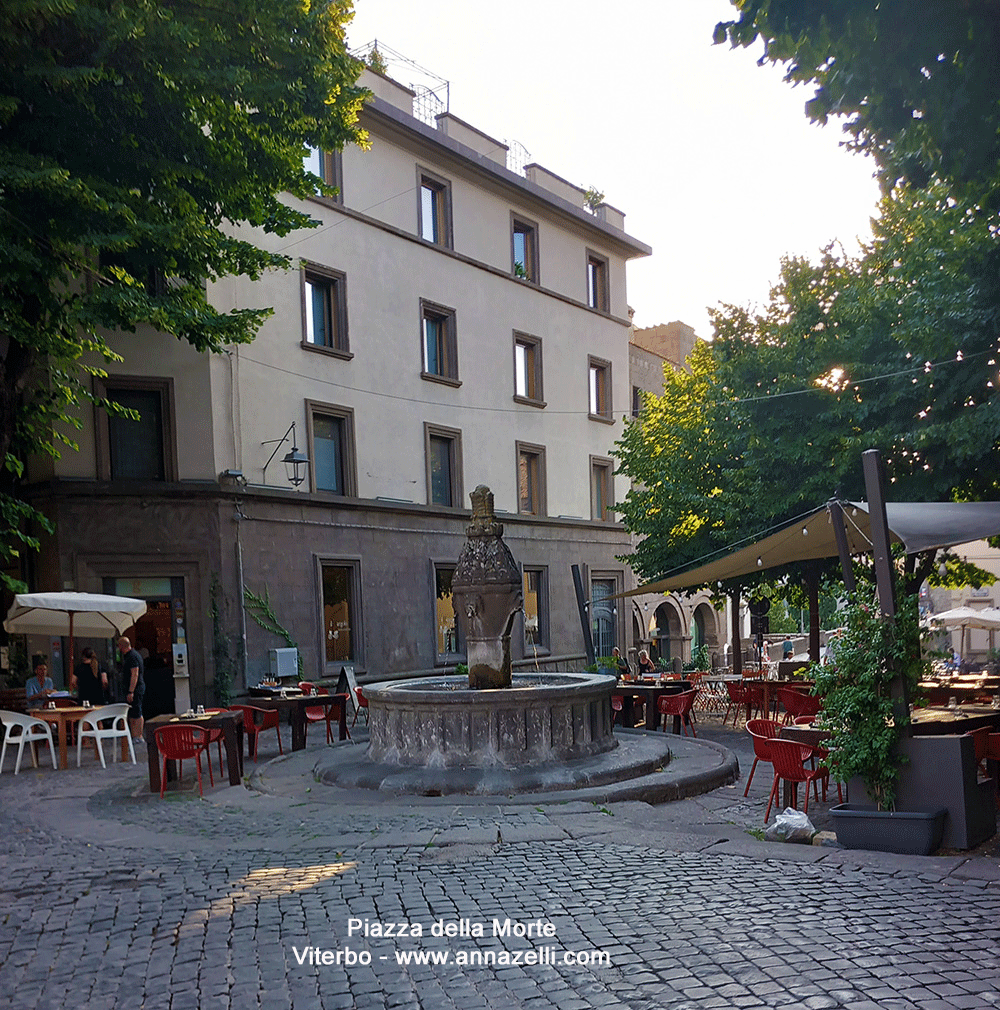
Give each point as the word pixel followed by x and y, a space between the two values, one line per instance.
pixel 134 686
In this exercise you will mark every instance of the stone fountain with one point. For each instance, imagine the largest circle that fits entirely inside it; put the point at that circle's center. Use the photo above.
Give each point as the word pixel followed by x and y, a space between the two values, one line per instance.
pixel 493 732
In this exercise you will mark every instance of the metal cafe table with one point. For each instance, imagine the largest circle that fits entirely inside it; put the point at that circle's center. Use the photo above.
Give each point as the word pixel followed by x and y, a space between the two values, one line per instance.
pixel 296 707
pixel 231 724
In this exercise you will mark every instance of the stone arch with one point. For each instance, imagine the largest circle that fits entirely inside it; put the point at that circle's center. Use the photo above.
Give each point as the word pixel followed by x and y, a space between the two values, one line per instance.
pixel 666 632
pixel 705 628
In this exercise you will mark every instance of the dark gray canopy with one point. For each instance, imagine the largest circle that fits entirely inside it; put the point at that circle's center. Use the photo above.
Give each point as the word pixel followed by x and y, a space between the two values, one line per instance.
pixel 919 526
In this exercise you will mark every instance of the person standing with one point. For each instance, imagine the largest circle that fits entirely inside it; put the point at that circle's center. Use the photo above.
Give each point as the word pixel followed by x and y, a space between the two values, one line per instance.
pixel 134 685
pixel 91 679
pixel 787 649
pixel 40 686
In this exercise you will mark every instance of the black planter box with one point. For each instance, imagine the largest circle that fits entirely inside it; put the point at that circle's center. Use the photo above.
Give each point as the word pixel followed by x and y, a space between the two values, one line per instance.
pixel 906 832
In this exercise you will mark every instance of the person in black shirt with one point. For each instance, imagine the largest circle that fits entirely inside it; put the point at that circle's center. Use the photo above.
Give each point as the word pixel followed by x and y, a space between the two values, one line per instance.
pixel 91 679
pixel 134 686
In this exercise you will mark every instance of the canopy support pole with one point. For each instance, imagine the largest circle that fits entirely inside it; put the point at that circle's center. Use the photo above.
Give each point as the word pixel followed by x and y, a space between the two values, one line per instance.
pixel 736 631
pixel 840 535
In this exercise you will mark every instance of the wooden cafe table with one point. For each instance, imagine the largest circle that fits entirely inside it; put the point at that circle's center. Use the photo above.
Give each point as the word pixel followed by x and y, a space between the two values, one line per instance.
pixel 231 724
pixel 296 707
pixel 63 717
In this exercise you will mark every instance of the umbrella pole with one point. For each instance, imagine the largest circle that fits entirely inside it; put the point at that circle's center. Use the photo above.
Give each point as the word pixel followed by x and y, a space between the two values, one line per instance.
pixel 70 673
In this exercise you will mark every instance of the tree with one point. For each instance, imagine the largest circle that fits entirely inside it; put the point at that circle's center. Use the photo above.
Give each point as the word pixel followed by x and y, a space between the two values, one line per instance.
pixel 917 80
pixel 136 137
pixel 895 349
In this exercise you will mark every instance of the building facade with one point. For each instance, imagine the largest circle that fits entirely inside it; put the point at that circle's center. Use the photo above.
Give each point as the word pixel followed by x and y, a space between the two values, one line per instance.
pixel 450 323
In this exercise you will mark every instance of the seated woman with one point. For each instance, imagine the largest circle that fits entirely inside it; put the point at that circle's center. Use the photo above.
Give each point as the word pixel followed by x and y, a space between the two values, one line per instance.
pixel 646 666
pixel 91 679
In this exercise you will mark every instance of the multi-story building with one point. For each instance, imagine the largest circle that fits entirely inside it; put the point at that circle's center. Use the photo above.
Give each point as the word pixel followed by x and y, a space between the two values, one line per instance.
pixel 451 323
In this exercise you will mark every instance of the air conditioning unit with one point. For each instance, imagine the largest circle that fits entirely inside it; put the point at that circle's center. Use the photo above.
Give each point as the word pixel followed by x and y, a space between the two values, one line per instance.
pixel 284 663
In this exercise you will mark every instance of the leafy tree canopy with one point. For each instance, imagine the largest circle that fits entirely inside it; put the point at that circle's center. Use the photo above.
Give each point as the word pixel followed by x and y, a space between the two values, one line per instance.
pixel 895 350
pixel 917 80
pixel 136 137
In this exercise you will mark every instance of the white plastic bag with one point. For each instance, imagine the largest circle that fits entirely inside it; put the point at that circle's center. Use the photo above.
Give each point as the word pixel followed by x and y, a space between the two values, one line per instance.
pixel 790 826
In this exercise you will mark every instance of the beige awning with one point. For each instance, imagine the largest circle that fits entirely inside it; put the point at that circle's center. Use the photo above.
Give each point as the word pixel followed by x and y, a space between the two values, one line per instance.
pixel 919 526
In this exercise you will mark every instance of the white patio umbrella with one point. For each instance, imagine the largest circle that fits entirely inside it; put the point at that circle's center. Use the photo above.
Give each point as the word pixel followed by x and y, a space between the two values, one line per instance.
pixel 90 615
pixel 987 618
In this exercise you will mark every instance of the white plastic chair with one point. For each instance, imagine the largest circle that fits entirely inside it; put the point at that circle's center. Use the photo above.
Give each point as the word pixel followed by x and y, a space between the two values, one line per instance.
pixel 24 729
pixel 90 726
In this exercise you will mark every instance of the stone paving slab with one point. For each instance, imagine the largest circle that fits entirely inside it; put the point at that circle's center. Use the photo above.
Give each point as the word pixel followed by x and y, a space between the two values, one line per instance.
pixel 110 897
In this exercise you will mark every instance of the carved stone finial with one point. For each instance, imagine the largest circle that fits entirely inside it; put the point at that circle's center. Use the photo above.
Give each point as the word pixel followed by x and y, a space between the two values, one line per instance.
pixel 484 521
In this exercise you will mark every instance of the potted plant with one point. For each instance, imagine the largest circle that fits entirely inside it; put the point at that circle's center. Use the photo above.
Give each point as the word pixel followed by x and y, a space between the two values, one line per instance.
pixel 866 725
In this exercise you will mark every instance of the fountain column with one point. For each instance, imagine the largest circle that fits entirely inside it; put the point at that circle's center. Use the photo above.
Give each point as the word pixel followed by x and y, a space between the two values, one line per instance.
pixel 487 594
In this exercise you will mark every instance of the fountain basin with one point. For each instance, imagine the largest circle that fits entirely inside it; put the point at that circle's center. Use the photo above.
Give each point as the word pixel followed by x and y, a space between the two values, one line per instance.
pixel 439 722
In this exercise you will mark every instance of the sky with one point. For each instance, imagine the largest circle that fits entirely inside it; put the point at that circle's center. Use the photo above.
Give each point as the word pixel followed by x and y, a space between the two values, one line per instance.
pixel 710 156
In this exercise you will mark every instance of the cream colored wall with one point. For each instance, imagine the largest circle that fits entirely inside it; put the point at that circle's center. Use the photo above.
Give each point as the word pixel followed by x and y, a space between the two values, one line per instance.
pixel 386 278
pixel 156 355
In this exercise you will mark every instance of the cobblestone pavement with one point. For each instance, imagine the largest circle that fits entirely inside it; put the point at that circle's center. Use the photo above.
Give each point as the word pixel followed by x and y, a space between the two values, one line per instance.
pixel 112 898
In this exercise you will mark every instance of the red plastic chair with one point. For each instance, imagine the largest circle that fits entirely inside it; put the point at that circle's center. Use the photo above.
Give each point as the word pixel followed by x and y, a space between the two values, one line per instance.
pixel 320 713
pixel 788 756
pixel 217 736
pixel 680 705
pixel 797 704
pixel 362 704
pixel 255 720
pixel 178 743
pixel 737 700
pixel 763 731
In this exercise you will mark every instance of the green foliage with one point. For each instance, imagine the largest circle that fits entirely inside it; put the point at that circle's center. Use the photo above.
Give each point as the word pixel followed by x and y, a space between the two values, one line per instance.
pixel 894 350
pixel 857 705
pixel 258 606
pixel 603 663
pixel 917 82
pixel 376 61
pixel 225 668
pixel 699 660
pixel 135 139
pixel 593 198
pixel 461 670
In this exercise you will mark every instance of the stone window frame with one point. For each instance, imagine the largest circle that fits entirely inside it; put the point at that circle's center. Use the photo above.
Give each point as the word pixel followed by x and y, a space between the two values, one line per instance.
pixel 441 188
pixel 164 385
pixel 348 448
pixel 332 173
pixel 544 648
pixel 603 368
pixel 444 658
pixel 605 467
pixel 335 282
pixel 598 285
pixel 534 346
pixel 529 228
pixel 353 562
pixel 446 315
pixel 540 502
pixel 454 436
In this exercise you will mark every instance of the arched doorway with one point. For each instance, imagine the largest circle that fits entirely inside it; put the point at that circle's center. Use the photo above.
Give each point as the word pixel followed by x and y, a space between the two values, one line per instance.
pixel 704 630
pixel 666 633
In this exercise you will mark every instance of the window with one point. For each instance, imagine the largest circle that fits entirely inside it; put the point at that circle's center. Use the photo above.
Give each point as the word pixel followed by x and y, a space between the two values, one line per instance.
pixel 528 370
pixel 603 615
pixel 439 343
pixel 340 612
pixel 536 611
pixel 601 499
pixel 331 441
pixel 137 446
pixel 328 166
pixel 448 644
pixel 600 389
pixel 530 479
pixel 636 401
pixel 434 209
pixel 443 452
pixel 597 282
pixel 324 309
pixel 524 249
